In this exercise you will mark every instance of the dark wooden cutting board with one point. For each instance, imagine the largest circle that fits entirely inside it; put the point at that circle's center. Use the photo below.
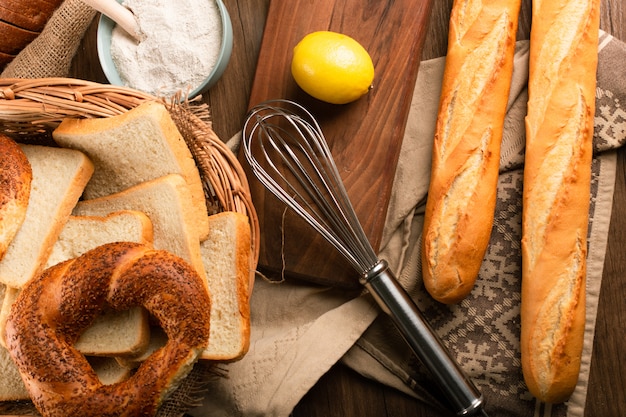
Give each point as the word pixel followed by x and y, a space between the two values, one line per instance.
pixel 365 136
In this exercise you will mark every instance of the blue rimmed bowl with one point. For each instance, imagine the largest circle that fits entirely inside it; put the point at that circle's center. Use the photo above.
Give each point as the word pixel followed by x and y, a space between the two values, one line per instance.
pixel 104 35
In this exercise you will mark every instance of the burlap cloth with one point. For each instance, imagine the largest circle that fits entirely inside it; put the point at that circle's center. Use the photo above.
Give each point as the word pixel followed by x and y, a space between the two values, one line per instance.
pixel 299 331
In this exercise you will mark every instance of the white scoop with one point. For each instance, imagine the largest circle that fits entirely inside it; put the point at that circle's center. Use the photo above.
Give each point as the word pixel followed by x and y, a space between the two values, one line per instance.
pixel 119 14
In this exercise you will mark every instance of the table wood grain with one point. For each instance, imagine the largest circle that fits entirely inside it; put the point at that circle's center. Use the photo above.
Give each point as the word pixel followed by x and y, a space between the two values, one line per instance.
pixel 341 392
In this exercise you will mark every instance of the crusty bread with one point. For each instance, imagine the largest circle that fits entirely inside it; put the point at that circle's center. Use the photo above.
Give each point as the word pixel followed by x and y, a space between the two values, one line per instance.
pixel 83 233
pixel 557 175
pixel 59 177
pixel 139 145
pixel 15 180
pixel 31 15
pixel 13 39
pixel 226 255
pixel 5 59
pixel 167 202
pixel 466 150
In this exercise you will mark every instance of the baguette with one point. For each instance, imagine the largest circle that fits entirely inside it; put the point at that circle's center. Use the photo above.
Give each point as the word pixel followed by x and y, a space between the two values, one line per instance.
pixel 557 175
pixel 466 149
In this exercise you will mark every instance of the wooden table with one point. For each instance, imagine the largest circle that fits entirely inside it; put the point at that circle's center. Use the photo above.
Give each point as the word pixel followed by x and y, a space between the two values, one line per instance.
pixel 341 392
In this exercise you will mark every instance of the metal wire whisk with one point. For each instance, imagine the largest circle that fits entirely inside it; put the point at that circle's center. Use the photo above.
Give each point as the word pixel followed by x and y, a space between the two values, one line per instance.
pixel 288 153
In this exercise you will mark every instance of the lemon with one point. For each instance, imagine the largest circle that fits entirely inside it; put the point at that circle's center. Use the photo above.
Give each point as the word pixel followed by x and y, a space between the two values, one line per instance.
pixel 332 67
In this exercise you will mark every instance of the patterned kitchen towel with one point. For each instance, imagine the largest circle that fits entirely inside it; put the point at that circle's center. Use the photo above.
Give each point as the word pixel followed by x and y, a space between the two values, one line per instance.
pixel 482 332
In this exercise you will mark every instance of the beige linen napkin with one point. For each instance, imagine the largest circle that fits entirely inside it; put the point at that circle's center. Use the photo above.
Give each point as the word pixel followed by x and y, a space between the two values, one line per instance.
pixel 299 331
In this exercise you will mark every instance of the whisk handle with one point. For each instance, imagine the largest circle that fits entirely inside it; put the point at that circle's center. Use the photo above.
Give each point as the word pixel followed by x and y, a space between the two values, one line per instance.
pixel 461 394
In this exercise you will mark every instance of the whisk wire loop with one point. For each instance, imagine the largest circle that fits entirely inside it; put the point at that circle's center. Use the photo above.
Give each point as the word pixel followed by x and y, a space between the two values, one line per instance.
pixel 301 172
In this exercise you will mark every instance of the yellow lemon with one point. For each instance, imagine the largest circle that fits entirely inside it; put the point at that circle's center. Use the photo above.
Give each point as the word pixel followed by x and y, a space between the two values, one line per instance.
pixel 332 67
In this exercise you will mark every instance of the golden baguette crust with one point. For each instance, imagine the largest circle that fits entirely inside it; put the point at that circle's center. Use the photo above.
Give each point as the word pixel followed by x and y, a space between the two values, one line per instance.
pixel 15 180
pixel 54 308
pixel 557 175
pixel 466 149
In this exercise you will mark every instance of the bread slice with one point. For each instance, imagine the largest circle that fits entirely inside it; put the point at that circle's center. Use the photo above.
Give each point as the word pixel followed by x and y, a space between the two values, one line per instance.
pixel 167 202
pixel 114 333
pixel 226 256
pixel 83 233
pixel 158 339
pixel 59 178
pixel 13 389
pixel 9 295
pixel 140 145
pixel 108 370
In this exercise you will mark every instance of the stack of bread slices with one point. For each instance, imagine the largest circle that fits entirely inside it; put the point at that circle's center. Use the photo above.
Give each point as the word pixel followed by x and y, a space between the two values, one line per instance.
pixel 127 178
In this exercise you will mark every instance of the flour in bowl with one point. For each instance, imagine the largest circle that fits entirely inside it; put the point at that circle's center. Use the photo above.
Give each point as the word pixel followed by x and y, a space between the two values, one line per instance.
pixel 180 46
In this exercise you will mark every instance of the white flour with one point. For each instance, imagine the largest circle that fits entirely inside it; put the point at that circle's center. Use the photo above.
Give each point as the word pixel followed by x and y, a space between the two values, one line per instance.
pixel 180 47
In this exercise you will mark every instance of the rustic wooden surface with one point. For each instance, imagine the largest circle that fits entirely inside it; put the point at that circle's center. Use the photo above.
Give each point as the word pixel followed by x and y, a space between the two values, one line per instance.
pixel 341 392
pixel 365 136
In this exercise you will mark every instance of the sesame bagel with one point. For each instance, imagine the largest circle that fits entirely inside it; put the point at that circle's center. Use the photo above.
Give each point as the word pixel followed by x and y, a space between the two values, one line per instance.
pixel 53 309
pixel 15 180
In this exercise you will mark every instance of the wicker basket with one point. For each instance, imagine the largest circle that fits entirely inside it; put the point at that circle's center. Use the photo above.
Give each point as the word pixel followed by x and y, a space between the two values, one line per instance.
pixel 30 109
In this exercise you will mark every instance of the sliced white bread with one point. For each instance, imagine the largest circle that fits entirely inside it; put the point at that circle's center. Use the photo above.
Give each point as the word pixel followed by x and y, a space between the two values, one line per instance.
pixel 116 333
pixel 158 339
pixel 9 295
pixel 139 145
pixel 167 202
pixel 226 255
pixel 113 333
pixel 12 387
pixel 108 370
pixel 83 233
pixel 59 178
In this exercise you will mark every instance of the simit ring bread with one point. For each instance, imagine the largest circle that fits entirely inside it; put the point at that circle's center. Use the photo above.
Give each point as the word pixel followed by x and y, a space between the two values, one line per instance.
pixel 54 308
pixel 15 180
